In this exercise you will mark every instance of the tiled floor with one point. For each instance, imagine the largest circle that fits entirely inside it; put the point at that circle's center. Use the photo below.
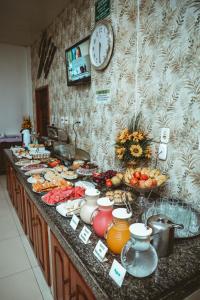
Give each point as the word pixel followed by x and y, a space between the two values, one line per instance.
pixel 20 275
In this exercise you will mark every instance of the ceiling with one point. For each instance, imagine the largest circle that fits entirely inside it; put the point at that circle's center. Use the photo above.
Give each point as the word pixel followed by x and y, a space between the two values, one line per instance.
pixel 21 21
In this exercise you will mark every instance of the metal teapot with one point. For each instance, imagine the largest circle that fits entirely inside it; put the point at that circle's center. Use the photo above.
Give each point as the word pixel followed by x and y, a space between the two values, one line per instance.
pixel 163 234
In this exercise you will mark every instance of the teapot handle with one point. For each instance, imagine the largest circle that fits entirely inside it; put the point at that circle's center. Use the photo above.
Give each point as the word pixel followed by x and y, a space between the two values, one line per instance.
pixel 94 213
pixel 126 249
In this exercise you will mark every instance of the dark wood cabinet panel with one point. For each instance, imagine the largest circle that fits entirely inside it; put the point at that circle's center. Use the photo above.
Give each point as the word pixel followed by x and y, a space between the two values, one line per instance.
pixel 79 289
pixel 41 244
pixel 68 284
pixel 30 220
pixel 60 269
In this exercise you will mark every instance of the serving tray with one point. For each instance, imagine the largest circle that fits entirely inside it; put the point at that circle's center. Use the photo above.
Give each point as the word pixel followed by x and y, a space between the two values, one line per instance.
pixel 180 213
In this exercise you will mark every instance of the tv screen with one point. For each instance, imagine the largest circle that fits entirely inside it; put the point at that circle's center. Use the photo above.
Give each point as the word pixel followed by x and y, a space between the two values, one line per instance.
pixel 78 63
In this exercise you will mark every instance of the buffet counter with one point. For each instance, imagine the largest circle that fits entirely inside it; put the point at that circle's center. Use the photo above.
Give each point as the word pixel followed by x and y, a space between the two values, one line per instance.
pixel 176 276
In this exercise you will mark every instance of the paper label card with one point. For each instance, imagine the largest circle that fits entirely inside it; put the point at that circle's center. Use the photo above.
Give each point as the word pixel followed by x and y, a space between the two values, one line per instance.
pixel 117 272
pixel 74 222
pixel 85 235
pixel 100 251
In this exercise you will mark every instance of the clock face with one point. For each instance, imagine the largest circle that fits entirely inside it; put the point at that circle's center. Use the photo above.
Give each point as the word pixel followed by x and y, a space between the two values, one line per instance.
pixel 101 45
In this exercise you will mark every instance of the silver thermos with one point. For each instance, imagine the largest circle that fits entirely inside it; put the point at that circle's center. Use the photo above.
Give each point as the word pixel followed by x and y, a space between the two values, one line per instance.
pixel 163 234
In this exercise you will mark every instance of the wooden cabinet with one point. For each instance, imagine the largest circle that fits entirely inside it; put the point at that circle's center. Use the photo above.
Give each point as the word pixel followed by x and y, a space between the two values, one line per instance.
pixel 60 269
pixel 41 243
pixel 79 289
pixel 37 231
pixel 67 282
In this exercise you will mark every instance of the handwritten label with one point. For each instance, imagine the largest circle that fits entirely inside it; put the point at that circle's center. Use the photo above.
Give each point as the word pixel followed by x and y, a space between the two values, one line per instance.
pixel 74 222
pixel 85 235
pixel 100 251
pixel 117 272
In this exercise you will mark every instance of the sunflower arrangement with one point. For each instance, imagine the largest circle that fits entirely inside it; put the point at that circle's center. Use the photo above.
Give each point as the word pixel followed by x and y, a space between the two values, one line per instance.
pixel 133 144
pixel 26 123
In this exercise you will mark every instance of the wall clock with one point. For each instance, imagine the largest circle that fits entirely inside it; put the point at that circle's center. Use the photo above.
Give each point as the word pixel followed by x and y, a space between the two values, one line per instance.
pixel 101 45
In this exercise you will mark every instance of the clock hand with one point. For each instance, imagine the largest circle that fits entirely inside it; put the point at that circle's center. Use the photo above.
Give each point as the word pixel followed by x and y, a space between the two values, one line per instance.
pixel 99 52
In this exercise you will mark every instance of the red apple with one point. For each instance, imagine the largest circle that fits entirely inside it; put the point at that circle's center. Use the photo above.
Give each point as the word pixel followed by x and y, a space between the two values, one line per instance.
pixel 144 177
pixel 137 174
pixel 133 181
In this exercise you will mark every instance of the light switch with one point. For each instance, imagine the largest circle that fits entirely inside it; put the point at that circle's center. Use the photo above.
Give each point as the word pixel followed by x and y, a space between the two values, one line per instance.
pixel 162 152
pixel 164 136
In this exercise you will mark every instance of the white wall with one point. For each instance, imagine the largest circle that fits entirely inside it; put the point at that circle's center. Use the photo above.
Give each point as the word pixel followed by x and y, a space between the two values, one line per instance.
pixel 15 87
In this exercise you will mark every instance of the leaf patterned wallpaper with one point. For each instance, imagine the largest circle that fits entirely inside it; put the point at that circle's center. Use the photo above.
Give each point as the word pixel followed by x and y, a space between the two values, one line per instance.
pixel 154 69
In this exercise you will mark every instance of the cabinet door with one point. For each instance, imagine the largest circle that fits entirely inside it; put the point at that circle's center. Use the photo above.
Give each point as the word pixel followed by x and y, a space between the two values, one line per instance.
pixel 60 268
pixel 41 244
pixel 30 220
pixel 79 289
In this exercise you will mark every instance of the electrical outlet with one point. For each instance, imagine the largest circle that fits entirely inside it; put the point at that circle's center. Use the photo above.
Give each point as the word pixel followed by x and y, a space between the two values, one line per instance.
pixel 164 135
pixel 162 151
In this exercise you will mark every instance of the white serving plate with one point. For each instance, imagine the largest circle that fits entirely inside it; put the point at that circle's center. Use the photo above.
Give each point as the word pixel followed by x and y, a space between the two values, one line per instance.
pixel 35 171
pixel 27 162
pixel 34 180
pixel 64 209
pixel 85 184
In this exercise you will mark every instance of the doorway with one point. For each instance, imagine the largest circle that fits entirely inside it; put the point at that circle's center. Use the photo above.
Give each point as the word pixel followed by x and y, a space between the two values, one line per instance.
pixel 42 109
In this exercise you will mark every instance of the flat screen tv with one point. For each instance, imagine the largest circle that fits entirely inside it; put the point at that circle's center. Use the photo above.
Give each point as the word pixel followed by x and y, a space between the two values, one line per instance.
pixel 78 63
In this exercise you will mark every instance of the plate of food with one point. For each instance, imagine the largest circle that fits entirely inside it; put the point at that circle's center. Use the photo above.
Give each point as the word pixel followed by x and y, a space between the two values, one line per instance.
pixel 63 194
pixel 51 175
pixel 70 175
pixel 35 171
pixel 26 162
pixel 85 184
pixel 35 178
pixel 67 209
pixel 46 186
pixel 87 169
pixel 60 168
pixel 32 166
pixel 119 196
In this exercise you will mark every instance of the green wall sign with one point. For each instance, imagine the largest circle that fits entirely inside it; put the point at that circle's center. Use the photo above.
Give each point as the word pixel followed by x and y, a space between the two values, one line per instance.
pixel 102 9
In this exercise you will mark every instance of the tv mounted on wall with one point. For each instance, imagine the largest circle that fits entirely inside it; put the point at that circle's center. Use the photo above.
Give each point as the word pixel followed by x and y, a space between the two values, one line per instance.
pixel 78 63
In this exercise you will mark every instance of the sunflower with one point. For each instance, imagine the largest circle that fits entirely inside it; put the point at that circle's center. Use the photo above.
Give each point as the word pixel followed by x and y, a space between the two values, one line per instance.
pixel 120 152
pixel 136 150
pixel 123 136
pixel 138 136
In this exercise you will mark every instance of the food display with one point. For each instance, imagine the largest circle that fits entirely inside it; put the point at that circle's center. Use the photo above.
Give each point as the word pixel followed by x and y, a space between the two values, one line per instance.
pixel 52 175
pixel 35 178
pixel 63 194
pixel 25 162
pixel 118 196
pixel 69 175
pixel 60 168
pixel 45 186
pixel 87 169
pixel 67 209
pixel 77 164
pixel 144 178
pixel 109 178
pixel 33 167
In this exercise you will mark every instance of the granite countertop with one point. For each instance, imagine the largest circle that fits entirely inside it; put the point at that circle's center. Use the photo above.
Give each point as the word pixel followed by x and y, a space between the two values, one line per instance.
pixel 176 276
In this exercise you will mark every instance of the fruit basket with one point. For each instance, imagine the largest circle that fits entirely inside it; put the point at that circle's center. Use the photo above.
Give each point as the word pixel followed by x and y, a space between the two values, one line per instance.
pixel 144 180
